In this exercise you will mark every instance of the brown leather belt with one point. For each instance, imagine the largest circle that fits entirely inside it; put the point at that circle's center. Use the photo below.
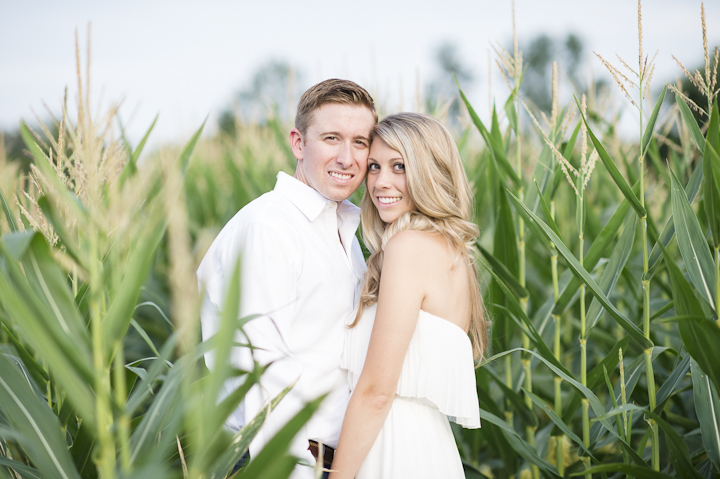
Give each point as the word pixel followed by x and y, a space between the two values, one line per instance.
pixel 328 453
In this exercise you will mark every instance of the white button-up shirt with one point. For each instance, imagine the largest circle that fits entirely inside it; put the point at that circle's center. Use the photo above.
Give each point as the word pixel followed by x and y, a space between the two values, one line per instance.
pixel 301 268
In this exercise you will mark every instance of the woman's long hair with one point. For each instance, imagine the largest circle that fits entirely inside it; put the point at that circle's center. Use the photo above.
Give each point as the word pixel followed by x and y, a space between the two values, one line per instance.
pixel 437 184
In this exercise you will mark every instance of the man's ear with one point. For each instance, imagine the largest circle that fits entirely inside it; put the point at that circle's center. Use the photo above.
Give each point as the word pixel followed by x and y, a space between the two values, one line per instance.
pixel 297 143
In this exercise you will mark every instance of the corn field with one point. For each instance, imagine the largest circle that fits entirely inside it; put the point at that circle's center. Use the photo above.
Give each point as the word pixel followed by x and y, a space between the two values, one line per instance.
pixel 601 273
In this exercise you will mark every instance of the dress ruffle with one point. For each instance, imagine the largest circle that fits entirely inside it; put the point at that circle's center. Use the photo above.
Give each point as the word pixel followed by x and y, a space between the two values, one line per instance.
pixel 438 369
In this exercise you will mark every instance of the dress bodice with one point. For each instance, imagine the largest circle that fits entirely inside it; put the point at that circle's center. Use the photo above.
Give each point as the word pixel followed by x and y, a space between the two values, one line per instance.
pixel 438 369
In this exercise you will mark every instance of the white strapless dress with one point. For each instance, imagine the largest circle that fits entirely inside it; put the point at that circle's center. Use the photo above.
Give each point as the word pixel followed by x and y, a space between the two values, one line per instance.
pixel 436 384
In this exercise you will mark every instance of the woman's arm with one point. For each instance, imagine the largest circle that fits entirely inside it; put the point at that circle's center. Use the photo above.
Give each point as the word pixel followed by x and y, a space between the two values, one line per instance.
pixel 399 300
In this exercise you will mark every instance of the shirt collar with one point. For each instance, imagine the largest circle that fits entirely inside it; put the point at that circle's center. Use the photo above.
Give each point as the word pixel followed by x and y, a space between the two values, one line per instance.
pixel 311 203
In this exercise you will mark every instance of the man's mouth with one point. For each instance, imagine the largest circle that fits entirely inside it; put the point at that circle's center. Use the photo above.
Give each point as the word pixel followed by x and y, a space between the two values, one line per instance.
pixel 340 176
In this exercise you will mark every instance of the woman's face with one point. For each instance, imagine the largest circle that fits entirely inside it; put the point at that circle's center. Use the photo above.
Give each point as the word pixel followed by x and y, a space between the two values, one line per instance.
pixel 386 182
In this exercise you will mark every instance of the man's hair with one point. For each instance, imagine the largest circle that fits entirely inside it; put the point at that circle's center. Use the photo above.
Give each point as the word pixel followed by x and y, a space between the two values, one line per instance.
pixel 343 92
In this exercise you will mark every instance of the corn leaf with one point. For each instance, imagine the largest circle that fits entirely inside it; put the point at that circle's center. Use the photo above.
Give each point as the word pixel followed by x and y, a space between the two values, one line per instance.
pixel 629 470
pixel 647 136
pixel 692 243
pixel 711 195
pixel 25 471
pixel 527 416
pixel 614 172
pixel 559 422
pixel 691 190
pixel 189 147
pixel 593 400
pixel 612 271
pixel 264 464
pixel 692 125
pixel 32 418
pixel 8 213
pixel 707 408
pixel 131 167
pixel 581 273
pixel 504 273
pixel 700 337
pixel 518 444
pixel 497 149
pixel 672 382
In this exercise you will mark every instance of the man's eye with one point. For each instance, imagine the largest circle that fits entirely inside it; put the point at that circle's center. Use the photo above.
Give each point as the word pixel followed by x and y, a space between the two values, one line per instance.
pixel 331 138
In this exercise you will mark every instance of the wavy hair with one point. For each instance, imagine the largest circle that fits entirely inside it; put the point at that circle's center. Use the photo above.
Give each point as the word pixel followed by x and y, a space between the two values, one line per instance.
pixel 438 185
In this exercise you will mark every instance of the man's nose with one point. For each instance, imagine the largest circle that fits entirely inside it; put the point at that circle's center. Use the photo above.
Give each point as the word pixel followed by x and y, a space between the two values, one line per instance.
pixel 345 155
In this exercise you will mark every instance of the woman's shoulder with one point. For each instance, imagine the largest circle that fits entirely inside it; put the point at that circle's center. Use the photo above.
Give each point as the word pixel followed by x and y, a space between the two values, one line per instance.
pixel 420 247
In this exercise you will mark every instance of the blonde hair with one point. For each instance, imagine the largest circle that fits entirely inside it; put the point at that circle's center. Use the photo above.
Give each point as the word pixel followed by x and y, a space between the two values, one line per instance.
pixel 437 184
pixel 344 92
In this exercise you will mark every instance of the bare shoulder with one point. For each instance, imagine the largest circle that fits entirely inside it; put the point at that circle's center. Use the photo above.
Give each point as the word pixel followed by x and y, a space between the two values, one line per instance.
pixel 419 248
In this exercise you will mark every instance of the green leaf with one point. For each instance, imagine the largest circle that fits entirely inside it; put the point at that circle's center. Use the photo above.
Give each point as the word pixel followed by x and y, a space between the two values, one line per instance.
pixel 700 337
pixel 26 472
pixel 131 167
pixel 679 454
pixel 597 249
pixel 593 400
pixel 647 136
pixel 518 312
pixel 497 149
pixel 559 422
pixel 38 373
pixel 504 273
pixel 546 211
pixel 614 173
pixel 581 273
pixel 28 415
pixel 612 271
pixel 117 320
pixel 629 470
pixel 81 452
pixel 187 151
pixel 672 382
pixel 59 226
pixel 692 125
pixel 242 439
pixel 526 414
pixel 8 213
pixel 693 246
pixel 521 447
pixel 274 450
pixel 711 195
pixel 707 408
pixel 511 112
pixel 595 377
pixel 691 190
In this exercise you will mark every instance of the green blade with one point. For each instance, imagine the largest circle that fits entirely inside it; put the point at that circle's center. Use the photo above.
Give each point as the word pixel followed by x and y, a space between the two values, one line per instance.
pixel 497 148
pixel 32 418
pixel 693 246
pixel 8 213
pixel 612 271
pixel 614 172
pixel 647 136
pixel 504 273
pixel 711 195
pixel 581 273
pixel 692 125
pixel 707 408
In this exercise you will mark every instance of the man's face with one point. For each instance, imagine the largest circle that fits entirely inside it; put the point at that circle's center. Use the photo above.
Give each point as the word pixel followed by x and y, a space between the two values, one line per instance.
pixel 332 155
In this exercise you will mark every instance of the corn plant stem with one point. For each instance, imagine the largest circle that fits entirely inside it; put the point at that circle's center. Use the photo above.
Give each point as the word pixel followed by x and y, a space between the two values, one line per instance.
pixel 646 299
pixel 106 445
pixel 559 440
pixel 123 429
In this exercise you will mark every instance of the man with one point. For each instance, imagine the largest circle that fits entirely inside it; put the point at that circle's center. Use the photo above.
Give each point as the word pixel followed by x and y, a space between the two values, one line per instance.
pixel 301 269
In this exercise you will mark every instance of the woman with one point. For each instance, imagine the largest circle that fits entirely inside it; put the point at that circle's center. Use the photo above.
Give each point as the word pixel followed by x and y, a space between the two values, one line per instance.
pixel 409 357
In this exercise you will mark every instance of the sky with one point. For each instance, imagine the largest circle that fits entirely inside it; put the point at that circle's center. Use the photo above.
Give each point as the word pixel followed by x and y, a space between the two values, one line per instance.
pixel 185 60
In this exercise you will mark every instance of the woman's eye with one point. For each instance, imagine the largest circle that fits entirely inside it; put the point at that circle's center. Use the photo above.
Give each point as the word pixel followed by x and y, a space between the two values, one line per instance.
pixel 373 167
pixel 400 166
